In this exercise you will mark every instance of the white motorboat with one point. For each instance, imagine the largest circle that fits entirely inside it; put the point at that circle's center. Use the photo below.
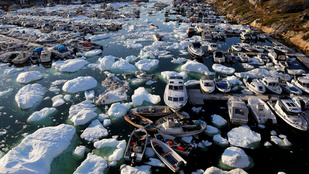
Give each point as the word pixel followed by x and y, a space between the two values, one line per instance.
pixel 302 83
pixel 289 112
pixel 136 146
pixel 289 87
pixel 167 155
pixel 236 47
pixel 45 56
pixel 178 126
pixel 263 58
pixel 238 111
pixel 223 85
pixel 212 47
pixel 175 93
pixel 255 85
pixel 261 111
pixel 218 57
pixel 272 85
pixel 278 58
pixel 60 51
pixel 245 35
pixel 268 48
pixel 243 57
pixel 158 37
pixel 301 102
pixel 247 47
pixel 22 58
pixel 207 84
pixel 195 49
pixel 258 48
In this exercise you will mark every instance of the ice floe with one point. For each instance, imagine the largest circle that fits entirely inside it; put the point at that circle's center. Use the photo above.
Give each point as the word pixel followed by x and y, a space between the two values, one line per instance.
pixel 99 37
pixel 144 169
pixel 94 131
pixel 131 58
pixel 89 95
pixel 92 164
pixel 218 139
pixel 140 95
pixel 194 66
pixel 117 153
pixel 58 100
pixel 123 66
pixel 179 60
pixel 30 76
pixel 155 162
pixel 118 109
pixel 79 151
pixel 235 157
pixel 3 93
pixel 223 69
pixel 70 65
pixel 29 95
pixel 243 136
pixel 79 84
pixel 93 52
pixel 36 152
pixel 167 74
pixel 218 121
pixel 82 113
pixel 215 170
pixel 211 130
pixel 146 64
pixel 39 115
pixel 106 62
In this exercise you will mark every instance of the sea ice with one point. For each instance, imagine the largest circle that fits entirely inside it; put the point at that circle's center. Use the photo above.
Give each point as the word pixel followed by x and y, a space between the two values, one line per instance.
pixel 150 82
pixel 111 97
pixel 220 140
pixel 1 134
pixel 211 131
pixel 194 66
pixel 235 157
pixel 29 95
pixel 118 109
pixel 282 142
pixel 54 89
pixel 140 95
pixel 106 62
pixel 94 131
pixel 79 151
pixel 131 58
pixel 155 162
pixel 100 37
pixel 36 152
pixel 123 66
pixel 179 60
pixel 89 95
pixel 215 170
pixel 12 71
pixel 30 76
pixel 107 122
pixel 67 97
pixel 145 55
pixel 196 109
pixel 58 82
pixel 93 52
pixel 218 121
pixel 223 69
pixel 92 164
pixel 58 100
pixel 39 115
pixel 120 147
pixel 243 136
pixel 79 84
pixel 126 169
pixel 3 93
pixel 70 65
pixel 192 82
pixel 167 74
pixel 146 64
pixel 82 113
pixel 233 80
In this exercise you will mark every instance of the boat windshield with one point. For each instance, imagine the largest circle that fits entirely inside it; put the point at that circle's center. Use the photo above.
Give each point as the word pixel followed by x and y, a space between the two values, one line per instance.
pixel 175 88
pixel 208 84
pixel 196 45
pixel 239 111
pixel 281 57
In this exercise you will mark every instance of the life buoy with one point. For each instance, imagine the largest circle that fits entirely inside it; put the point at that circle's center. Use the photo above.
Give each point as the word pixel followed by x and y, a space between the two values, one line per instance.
pixel 87 44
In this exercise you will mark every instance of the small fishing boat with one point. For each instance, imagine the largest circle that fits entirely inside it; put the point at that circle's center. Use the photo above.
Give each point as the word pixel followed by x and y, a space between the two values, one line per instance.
pixel 263 58
pixel 212 47
pixel 60 51
pixel 152 111
pixel 167 155
pixel 255 85
pixel 289 112
pixel 261 111
pixel 35 56
pixel 243 57
pixel 178 126
pixel 140 121
pixel 223 85
pixel 207 84
pixel 176 143
pixel 22 58
pixel 195 50
pixel 278 58
pixel 238 111
pixel 302 83
pixel 289 87
pixel 272 85
pixel 45 56
pixel 218 57
pixel 136 146
pixel 236 47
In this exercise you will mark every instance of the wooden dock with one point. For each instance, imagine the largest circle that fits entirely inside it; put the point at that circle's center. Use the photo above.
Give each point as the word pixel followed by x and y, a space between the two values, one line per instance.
pixel 196 97
pixel 21 40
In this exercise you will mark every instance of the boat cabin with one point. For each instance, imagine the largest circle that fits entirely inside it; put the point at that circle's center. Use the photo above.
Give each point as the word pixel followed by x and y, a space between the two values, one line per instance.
pixel 303 82
pixel 271 82
pixel 289 107
pixel 278 55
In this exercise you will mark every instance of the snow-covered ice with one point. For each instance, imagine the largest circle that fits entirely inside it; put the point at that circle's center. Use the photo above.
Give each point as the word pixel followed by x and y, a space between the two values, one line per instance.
pixel 100 37
pixel 58 100
pixel 3 93
pixel 118 109
pixel 30 76
pixel 111 142
pixel 220 140
pixel 82 113
pixel 89 95
pixel 235 157
pixel 93 52
pixel 144 169
pixel 79 84
pixel 167 74
pixel 70 65
pixel 223 69
pixel 79 151
pixel 244 137
pixel 29 95
pixel 92 164
pixel 146 64
pixel 211 130
pixel 218 121
pixel 94 131
pixel 140 95
pixel 194 66
pixel 155 162
pixel 215 170
pixel 122 66
pixel 106 62
pixel 39 115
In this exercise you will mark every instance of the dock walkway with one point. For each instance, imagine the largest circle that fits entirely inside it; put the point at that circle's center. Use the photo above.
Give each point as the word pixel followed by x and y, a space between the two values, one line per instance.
pixel 21 40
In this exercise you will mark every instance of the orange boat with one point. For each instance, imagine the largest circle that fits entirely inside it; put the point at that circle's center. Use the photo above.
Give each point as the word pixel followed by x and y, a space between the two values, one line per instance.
pixel 140 121
pixel 154 25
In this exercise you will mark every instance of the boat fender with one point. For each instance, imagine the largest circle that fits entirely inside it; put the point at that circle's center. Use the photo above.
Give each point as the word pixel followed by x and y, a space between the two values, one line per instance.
pixel 180 148
pixel 170 143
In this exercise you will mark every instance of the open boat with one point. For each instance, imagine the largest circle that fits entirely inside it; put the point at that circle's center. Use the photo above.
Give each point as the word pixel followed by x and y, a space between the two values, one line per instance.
pixel 152 111
pixel 255 85
pixel 223 85
pixel 140 121
pixel 272 85
pixel 176 143
pixel 136 146
pixel 167 155
pixel 195 50
pixel 238 111
pixel 261 111
pixel 207 84
pixel 177 126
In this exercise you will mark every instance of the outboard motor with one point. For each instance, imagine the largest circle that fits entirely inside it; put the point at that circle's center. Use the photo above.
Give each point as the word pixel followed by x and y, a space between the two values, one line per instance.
pixel 133 158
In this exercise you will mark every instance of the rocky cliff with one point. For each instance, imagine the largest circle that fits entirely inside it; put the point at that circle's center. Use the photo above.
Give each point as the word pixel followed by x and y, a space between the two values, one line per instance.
pixel 284 19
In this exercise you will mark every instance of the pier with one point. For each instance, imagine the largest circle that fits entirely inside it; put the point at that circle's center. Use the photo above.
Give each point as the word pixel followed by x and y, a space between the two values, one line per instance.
pixel 21 40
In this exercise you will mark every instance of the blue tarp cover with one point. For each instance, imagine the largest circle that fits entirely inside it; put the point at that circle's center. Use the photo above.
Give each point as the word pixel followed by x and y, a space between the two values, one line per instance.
pixel 61 49
pixel 38 50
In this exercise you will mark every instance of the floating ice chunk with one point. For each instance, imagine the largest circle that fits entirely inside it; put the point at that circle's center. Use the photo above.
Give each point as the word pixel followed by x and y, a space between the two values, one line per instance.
pixel 94 131
pixel 134 45
pixel 1 134
pixel 93 52
pixel 282 142
pixel 106 62
pixel 3 93
pixel 144 169
pixel 196 109
pixel 179 60
pixel 146 64
pixel 82 113
pixel 155 162
pixel 214 170
pixel 211 131
pixel 100 37
pixel 247 66
pixel 92 164
pixel 120 147
pixel 192 82
pixel 70 65
pixel 118 109
pixel 204 144
pixel 235 157
pixel 244 137
pixel 218 121
pixel 234 80
pixel 58 82
pixel 89 95
pixel 106 122
pixel 145 55
pixel 29 95
pixel 79 151
pixel 167 74
pixel 58 100
pixel 220 140
pixel 54 89
pixel 36 152
pixel 67 97
pixel 150 82
pixel 267 144
pixel 39 115
pixel 131 58
pixel 123 66
pixel 140 95
pixel 30 76
pixel 198 171
pixel 112 97
pixel 255 73
pixel 194 66
pixel 12 71
pixel 79 84
pixel 223 69
pixel 102 117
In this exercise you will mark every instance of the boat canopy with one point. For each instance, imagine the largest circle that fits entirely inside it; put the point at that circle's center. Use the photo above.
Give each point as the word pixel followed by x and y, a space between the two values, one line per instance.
pixel 61 49
pixel 196 44
pixel 38 49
